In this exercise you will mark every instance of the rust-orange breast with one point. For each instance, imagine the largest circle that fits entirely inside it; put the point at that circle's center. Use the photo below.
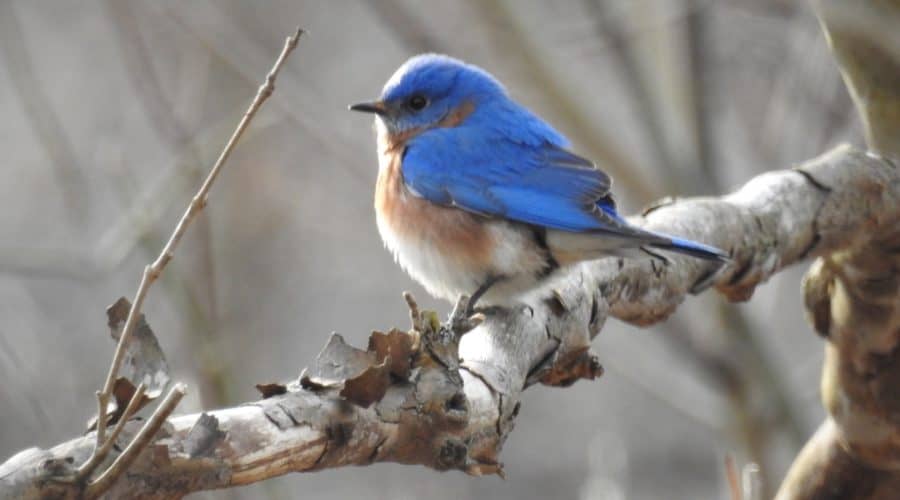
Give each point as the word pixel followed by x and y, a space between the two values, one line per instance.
pixel 416 221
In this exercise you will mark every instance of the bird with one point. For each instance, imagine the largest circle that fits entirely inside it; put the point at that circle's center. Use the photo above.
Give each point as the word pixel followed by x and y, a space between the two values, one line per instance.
pixel 478 196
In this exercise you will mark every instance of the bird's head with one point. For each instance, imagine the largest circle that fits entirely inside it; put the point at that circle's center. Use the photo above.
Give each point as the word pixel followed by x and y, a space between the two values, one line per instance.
pixel 431 90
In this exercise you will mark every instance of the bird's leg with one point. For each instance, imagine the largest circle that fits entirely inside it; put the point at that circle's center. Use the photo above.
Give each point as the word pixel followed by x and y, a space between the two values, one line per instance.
pixel 491 281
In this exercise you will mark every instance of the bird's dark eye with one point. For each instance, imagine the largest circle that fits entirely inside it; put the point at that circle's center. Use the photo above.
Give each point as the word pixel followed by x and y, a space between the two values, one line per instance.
pixel 417 102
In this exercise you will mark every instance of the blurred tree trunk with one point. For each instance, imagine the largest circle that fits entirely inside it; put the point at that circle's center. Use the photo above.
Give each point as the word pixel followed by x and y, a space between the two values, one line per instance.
pixel 853 295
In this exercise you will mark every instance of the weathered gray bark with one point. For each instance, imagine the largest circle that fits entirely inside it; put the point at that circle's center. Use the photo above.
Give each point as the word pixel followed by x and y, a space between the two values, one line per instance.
pixel 429 405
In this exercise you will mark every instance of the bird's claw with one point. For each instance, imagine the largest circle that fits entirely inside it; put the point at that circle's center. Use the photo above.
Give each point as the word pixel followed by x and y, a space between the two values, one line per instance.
pixel 464 318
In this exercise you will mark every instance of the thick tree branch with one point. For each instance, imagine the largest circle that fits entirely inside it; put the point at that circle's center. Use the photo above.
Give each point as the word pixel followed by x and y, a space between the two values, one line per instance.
pixel 426 397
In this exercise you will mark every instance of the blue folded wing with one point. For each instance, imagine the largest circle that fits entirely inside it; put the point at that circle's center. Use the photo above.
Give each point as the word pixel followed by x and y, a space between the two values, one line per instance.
pixel 538 183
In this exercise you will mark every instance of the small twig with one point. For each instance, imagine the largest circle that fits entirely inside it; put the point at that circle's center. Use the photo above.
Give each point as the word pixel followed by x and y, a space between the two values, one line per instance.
pixel 88 467
pixel 140 441
pixel 414 315
pixel 153 271
pixel 104 395
pixel 171 130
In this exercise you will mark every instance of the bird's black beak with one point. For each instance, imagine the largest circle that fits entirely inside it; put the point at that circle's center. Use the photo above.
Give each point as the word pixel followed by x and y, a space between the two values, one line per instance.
pixel 376 107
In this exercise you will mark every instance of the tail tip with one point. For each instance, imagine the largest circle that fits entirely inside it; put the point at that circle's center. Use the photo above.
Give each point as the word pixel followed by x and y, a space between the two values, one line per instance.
pixel 699 250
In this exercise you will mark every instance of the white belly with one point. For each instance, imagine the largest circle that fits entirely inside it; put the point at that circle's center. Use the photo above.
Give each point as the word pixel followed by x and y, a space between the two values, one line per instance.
pixel 445 275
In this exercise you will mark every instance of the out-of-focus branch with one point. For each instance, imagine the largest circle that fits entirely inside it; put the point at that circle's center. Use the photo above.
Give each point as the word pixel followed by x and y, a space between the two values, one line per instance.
pixel 853 295
pixel 213 380
pixel 599 146
pixel 742 485
pixel 230 42
pixel 145 207
pixel 702 95
pixel 428 397
pixel 628 68
pixel 405 25
pixel 39 113
pixel 866 43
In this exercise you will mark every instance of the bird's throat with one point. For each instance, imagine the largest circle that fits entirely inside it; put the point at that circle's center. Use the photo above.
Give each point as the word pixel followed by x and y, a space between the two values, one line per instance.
pixel 394 142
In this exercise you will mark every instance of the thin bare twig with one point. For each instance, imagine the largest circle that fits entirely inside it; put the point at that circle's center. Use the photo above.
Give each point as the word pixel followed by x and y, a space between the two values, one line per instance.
pixel 140 441
pixel 243 63
pixel 88 467
pixel 213 381
pixel 153 270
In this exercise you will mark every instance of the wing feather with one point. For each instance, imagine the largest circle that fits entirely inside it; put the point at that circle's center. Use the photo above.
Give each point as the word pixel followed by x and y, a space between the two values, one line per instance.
pixel 541 184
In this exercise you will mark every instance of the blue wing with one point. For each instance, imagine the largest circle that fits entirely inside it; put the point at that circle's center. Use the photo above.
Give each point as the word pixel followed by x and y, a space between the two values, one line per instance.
pixel 530 179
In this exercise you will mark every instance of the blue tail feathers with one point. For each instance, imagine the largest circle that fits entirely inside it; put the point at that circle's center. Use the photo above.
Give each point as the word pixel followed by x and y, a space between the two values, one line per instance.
pixel 692 248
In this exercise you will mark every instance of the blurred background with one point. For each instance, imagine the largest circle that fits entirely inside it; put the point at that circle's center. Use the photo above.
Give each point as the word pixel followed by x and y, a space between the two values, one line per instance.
pixel 112 111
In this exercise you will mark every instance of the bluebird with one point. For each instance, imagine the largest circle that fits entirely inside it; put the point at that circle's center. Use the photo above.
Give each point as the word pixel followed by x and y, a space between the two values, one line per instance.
pixel 477 195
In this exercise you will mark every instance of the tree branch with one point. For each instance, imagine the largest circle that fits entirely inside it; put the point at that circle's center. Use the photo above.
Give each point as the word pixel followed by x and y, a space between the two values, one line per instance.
pixel 426 397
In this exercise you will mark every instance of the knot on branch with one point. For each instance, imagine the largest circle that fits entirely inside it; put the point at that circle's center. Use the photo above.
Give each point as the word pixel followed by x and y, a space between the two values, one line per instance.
pixel 573 318
pixel 852 300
